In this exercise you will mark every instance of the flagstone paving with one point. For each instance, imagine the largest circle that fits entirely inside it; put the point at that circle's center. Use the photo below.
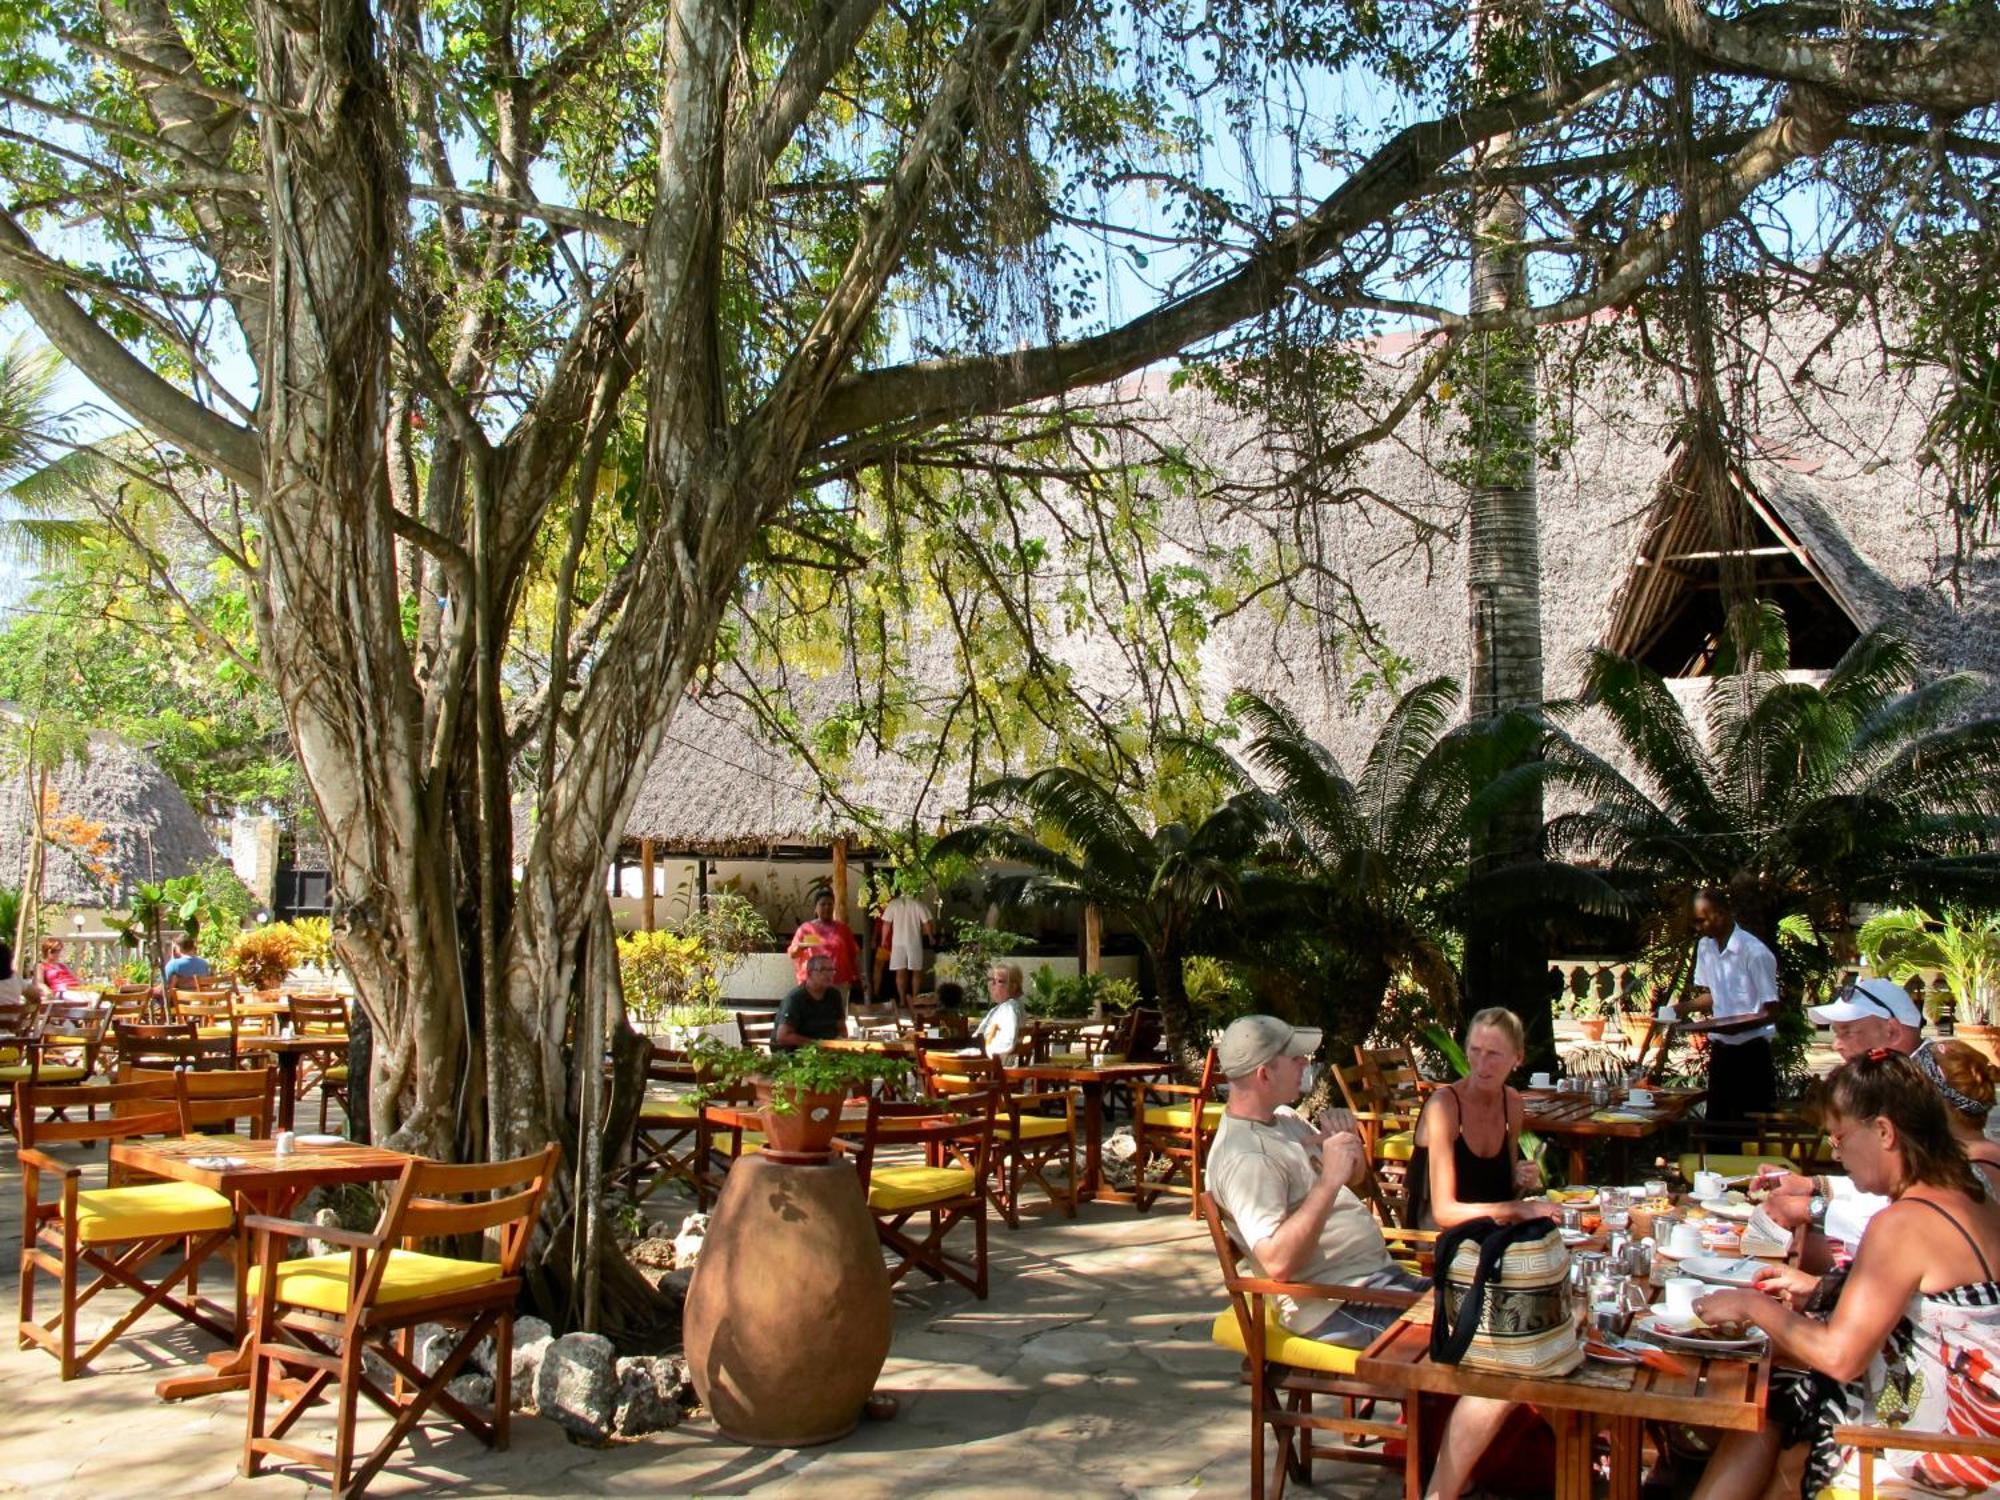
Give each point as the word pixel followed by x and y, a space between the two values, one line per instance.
pixel 1088 1373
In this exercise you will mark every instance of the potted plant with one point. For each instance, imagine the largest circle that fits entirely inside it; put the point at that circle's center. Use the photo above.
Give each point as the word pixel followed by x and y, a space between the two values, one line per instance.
pixel 1961 946
pixel 261 957
pixel 799 1093
pixel 1588 1008
pixel 688 1026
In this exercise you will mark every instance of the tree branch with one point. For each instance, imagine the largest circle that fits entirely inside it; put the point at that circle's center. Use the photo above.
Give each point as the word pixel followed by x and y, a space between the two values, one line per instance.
pixel 114 370
pixel 829 41
pixel 932 391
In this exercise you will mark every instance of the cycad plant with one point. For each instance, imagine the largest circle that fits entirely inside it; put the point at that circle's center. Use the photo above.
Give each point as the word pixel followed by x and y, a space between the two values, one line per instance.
pixel 1962 945
pixel 1797 796
pixel 1381 863
pixel 1084 846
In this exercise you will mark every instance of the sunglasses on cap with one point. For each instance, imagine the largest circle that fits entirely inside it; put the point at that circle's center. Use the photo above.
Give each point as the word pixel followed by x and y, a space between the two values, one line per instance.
pixel 1852 993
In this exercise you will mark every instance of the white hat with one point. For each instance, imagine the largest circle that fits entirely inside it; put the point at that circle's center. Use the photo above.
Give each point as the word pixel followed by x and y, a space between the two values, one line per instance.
pixel 1249 1042
pixel 1870 999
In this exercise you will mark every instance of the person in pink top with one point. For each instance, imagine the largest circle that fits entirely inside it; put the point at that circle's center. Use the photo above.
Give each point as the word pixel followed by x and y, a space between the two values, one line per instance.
pixel 52 974
pixel 821 934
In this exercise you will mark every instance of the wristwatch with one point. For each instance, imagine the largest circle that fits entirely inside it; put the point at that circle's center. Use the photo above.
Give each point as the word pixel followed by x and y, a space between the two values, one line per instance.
pixel 1816 1211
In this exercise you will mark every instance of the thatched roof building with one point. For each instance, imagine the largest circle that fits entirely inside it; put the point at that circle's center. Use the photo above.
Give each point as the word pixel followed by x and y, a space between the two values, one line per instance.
pixel 1832 506
pixel 144 827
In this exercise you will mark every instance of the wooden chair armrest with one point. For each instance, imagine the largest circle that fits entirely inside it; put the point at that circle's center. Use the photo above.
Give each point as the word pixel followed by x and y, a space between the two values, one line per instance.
pixel 1904 1439
pixel 353 1239
pixel 1187 1089
pixel 1418 1237
pixel 1372 1296
pixel 42 1162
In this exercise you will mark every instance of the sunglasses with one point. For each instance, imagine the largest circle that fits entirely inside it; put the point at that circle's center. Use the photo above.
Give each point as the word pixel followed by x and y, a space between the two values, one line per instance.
pixel 1852 994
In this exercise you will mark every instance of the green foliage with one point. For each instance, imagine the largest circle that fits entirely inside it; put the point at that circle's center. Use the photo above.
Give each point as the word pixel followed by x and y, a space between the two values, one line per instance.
pixel 315 941
pixel 1218 992
pixel 688 962
pixel 1963 945
pixel 974 950
pixel 208 902
pixel 806 1070
pixel 1074 996
pixel 698 1013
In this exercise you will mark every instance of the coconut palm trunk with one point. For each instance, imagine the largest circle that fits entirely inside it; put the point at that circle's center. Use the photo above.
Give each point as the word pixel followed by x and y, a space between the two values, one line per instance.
pixel 1504 578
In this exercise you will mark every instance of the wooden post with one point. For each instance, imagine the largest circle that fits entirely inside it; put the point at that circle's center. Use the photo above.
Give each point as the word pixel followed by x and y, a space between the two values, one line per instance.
pixel 840 879
pixel 646 913
pixel 1093 938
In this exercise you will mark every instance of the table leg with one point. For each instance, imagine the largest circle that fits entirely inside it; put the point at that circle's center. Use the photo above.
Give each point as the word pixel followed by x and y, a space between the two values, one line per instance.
pixel 1578 1166
pixel 229 1369
pixel 288 1088
pixel 1627 1456
pixel 1573 1433
pixel 1093 1139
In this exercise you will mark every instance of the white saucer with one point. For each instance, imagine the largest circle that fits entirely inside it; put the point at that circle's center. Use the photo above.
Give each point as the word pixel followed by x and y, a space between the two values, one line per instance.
pixel 320 1140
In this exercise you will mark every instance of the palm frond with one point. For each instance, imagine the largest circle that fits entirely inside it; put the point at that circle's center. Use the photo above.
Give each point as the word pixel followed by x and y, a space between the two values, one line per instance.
pixel 1413 727
pixel 1648 720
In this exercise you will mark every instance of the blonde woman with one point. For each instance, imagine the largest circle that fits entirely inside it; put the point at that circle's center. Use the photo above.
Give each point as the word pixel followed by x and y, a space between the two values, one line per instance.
pixel 1468 1163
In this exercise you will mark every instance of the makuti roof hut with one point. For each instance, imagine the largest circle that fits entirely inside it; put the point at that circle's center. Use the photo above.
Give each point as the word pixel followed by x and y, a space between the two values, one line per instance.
pixel 1831 507
pixel 143 827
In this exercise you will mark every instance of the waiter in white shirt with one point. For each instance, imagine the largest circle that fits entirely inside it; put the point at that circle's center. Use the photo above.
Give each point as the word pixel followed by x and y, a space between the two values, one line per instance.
pixel 1736 984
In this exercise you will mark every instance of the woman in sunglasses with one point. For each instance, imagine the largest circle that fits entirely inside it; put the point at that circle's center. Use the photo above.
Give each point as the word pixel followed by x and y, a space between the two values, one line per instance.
pixel 1913 1337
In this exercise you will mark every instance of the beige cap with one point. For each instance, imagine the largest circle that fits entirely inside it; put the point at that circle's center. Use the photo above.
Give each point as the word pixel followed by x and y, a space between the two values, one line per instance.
pixel 1249 1042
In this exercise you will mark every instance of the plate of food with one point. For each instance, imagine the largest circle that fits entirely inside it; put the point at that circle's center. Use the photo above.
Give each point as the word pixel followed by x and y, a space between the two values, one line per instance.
pixel 1574 1196
pixel 1695 1336
pixel 1722 1270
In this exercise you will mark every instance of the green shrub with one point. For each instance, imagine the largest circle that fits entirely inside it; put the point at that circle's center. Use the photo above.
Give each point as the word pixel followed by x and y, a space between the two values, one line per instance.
pixel 808 1070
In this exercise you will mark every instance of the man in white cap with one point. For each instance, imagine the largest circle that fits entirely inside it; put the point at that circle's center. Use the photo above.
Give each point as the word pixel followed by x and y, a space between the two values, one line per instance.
pixel 1868 1015
pixel 1286 1191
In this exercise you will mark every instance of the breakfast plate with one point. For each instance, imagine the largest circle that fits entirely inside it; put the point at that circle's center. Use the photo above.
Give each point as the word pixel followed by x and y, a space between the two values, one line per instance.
pixel 1723 1270
pixel 1729 1208
pixel 1694 1336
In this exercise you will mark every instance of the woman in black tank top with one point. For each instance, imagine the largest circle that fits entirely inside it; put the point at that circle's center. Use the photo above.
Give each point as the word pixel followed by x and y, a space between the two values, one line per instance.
pixel 1467 1163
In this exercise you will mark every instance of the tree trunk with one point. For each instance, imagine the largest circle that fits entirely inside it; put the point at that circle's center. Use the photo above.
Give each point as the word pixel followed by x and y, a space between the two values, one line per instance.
pixel 1182 1040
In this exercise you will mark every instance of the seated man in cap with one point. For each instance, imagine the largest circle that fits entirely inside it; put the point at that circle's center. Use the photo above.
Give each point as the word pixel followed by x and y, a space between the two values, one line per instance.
pixel 1867 1016
pixel 1286 1191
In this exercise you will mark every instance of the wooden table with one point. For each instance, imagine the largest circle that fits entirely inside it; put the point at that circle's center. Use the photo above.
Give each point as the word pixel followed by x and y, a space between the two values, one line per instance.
pixel 1567 1118
pixel 265 1183
pixel 1092 1082
pixel 288 1050
pixel 1715 1392
pixel 882 1046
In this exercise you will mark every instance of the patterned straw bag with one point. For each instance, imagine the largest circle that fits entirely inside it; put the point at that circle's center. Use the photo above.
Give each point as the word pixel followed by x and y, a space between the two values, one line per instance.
pixel 1503 1299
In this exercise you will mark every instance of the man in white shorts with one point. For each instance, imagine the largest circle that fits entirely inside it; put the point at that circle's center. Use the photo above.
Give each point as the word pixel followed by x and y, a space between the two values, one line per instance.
pixel 909 925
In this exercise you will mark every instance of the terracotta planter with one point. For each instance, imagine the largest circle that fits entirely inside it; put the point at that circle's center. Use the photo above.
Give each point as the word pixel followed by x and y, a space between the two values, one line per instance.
pixel 788 1315
pixel 1593 1029
pixel 1984 1040
pixel 802 1135
pixel 1636 1028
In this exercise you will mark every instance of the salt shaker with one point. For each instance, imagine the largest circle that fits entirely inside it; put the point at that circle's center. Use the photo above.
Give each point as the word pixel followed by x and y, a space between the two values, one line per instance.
pixel 285 1142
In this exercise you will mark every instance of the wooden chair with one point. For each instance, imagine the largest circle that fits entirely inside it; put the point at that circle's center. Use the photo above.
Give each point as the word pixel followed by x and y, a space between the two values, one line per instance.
pixel 1391 1140
pixel 1868 1441
pixel 669 1138
pixel 324 1015
pixel 1174 1121
pixel 116 1232
pixel 1394 1080
pixel 316 1316
pixel 758 1027
pixel 72 1033
pixel 1027 1138
pixel 1286 1372
pixel 217 1098
pixel 173 1044
pixel 960 1130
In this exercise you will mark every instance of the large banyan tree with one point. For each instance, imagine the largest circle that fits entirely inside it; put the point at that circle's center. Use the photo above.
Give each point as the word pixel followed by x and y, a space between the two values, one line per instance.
pixel 522 329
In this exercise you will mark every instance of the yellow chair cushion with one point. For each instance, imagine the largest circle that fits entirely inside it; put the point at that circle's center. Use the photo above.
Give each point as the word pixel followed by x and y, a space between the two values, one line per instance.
pixel 150 1209
pixel 891 1189
pixel 1400 1145
pixel 67 1041
pixel 1069 1059
pixel 1730 1165
pixel 1036 1127
pixel 1177 1116
pixel 320 1281
pixel 677 1110
pixel 50 1073
pixel 335 1074
pixel 1282 1345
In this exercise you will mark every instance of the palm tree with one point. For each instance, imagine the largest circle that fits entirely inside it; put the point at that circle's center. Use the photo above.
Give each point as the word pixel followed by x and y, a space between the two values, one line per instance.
pixel 1383 864
pixel 1801 798
pixel 1085 847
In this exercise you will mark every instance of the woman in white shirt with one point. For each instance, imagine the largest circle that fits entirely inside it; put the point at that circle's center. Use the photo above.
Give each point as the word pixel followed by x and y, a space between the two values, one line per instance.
pixel 1000 1030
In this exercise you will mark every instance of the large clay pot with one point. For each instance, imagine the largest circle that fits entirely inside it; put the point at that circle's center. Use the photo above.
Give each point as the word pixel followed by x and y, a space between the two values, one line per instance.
pixel 1984 1040
pixel 787 1318
pixel 1593 1029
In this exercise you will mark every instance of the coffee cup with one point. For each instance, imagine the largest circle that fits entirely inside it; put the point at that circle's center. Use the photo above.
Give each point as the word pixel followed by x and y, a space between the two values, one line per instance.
pixel 1681 1292
pixel 1540 1081
pixel 1708 1185
pixel 1656 1187
pixel 1639 1098
pixel 1685 1239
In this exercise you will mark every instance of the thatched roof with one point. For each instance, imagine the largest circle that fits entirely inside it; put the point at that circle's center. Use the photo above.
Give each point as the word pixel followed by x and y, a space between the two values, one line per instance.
pixel 149 830
pixel 1835 468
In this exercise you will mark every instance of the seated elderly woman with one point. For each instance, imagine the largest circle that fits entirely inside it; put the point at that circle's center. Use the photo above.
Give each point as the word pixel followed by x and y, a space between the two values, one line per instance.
pixel 1468 1163
pixel 1913 1330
